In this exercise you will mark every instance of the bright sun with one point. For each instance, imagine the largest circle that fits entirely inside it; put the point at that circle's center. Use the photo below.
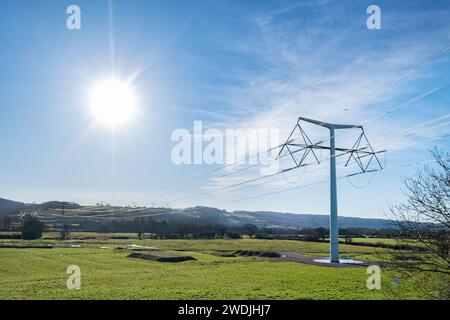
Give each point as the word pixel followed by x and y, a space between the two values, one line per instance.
pixel 113 102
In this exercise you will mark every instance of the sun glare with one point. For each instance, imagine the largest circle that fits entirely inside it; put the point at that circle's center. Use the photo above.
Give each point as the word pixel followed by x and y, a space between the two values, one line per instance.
pixel 113 102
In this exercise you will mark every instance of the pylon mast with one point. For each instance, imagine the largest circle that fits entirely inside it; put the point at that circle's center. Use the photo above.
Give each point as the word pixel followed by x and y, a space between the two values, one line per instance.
pixel 355 153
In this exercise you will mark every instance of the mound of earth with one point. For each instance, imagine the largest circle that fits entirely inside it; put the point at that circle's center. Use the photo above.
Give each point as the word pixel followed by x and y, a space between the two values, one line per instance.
pixel 264 254
pixel 160 257
pixel 135 247
pixel 25 247
pixel 270 255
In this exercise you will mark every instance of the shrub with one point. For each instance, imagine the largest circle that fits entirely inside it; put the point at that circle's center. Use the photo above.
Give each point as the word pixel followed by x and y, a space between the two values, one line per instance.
pixel 32 228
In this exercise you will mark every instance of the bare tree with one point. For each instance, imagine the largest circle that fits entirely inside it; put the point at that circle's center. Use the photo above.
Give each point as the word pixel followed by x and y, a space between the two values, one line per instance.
pixel 424 220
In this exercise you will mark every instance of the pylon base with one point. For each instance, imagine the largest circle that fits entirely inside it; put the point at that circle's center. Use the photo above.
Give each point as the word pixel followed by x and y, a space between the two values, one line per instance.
pixel 341 261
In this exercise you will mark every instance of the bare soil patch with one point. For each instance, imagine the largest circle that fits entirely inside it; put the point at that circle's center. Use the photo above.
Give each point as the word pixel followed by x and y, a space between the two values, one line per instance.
pixel 263 254
pixel 160 257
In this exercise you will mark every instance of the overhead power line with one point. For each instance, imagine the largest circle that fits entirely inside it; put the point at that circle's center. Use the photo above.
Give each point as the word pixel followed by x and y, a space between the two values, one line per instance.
pixel 417 66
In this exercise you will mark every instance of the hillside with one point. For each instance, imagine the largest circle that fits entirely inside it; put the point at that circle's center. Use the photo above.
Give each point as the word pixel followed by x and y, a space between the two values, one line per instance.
pixel 74 213
pixel 271 219
pixel 10 207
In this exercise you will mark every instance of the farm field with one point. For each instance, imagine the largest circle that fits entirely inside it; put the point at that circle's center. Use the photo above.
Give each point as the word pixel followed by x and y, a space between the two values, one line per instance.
pixel 107 272
pixel 388 241
pixel 375 240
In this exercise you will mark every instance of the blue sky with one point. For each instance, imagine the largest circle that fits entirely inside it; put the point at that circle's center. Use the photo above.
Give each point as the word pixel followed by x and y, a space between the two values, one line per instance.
pixel 230 64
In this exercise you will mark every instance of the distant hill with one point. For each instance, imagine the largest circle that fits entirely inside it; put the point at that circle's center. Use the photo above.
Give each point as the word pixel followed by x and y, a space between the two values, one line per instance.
pixel 57 205
pixel 195 215
pixel 8 207
pixel 270 219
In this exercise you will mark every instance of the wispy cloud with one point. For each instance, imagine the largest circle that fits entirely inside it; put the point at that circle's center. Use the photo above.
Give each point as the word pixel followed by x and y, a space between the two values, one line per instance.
pixel 330 67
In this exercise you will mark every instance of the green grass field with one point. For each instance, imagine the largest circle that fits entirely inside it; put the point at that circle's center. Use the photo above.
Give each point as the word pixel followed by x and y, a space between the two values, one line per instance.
pixel 107 273
pixel 382 240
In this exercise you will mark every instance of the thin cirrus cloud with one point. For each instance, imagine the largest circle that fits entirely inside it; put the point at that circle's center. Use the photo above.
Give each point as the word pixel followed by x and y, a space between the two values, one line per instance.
pixel 343 74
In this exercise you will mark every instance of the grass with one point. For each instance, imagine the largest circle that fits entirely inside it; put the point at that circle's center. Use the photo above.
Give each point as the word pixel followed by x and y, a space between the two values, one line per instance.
pixel 202 245
pixel 376 240
pixel 109 274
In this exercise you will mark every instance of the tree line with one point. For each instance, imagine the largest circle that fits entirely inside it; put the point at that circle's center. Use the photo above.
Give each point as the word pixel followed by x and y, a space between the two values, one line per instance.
pixel 32 228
